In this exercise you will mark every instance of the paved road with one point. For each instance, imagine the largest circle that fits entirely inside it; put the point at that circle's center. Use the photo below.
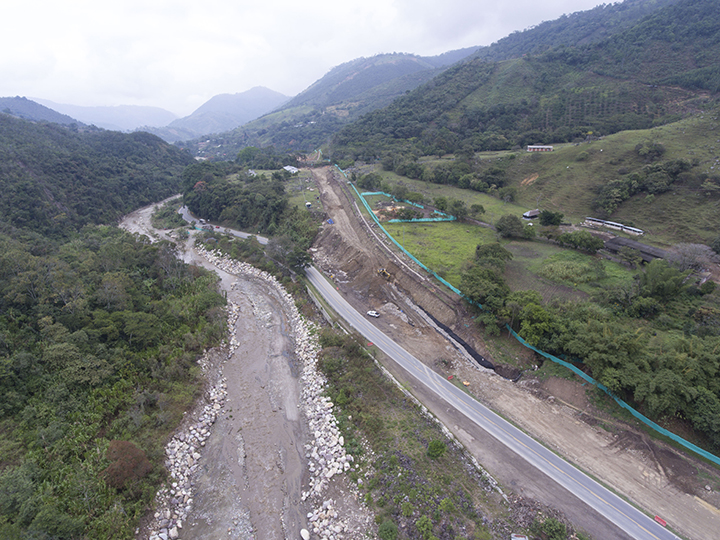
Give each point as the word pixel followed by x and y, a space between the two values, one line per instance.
pixel 187 216
pixel 626 517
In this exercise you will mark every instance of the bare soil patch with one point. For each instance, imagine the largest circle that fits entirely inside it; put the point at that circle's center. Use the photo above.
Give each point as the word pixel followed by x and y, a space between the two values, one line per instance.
pixel 655 476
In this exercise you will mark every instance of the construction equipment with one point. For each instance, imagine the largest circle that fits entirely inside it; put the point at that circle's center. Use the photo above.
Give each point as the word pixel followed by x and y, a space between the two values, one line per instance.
pixel 384 273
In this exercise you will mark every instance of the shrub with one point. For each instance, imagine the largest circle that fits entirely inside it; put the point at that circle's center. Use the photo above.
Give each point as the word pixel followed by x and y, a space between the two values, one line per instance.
pixel 129 463
pixel 715 245
pixel 436 449
pixel 554 529
pixel 388 530
pixel 509 226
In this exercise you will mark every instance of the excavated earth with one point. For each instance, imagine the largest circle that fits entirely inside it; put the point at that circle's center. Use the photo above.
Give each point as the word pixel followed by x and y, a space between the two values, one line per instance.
pixel 255 474
pixel 658 478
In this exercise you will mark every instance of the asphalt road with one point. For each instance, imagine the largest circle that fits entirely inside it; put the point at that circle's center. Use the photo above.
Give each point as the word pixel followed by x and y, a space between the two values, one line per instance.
pixel 623 515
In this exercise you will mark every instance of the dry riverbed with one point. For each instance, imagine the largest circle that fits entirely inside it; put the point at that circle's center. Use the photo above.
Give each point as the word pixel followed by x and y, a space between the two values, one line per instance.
pixel 259 456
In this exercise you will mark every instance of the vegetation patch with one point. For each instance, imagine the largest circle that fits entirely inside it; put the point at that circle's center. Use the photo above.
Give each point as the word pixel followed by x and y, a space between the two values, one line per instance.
pixel 418 483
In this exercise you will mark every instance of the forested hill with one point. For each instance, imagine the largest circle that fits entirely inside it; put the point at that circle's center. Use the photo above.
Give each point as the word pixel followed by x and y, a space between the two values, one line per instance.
pixel 22 107
pixel 580 28
pixel 55 179
pixel 345 93
pixel 99 331
pixel 649 74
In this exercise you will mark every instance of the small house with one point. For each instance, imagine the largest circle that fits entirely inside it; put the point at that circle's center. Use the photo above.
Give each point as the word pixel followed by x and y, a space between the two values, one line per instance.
pixel 531 214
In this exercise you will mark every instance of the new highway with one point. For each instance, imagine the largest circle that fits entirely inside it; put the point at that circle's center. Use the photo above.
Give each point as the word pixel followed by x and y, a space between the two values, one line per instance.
pixel 625 516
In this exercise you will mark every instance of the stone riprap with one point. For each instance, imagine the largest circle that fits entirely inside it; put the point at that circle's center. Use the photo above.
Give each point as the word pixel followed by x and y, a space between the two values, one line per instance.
pixel 325 453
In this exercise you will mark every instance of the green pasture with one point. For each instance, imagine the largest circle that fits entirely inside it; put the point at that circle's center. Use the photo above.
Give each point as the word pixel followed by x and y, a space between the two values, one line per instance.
pixel 444 247
pixel 555 272
pixel 494 207
pixel 560 273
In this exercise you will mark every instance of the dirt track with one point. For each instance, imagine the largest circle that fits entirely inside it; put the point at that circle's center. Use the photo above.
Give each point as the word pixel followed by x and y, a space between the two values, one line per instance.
pixel 656 477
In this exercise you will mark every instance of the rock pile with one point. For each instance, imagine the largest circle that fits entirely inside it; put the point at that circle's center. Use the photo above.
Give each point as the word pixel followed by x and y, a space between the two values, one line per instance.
pixel 326 453
pixel 174 502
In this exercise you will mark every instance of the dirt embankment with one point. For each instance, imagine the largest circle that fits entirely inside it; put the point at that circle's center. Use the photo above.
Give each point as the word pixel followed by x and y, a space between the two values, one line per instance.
pixel 661 480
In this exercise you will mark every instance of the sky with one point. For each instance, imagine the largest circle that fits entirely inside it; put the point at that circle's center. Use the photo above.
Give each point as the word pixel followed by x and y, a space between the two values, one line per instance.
pixel 177 54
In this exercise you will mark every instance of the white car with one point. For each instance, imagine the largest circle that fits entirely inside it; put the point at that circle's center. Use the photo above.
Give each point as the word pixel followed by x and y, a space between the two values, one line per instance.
pixel 373 314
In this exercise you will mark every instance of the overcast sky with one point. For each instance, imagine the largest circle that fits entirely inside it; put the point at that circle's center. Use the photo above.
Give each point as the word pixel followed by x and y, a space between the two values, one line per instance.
pixel 177 54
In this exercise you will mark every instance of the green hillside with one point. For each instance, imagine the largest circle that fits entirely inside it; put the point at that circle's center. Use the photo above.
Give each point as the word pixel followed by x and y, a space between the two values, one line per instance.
pixel 580 28
pixel 99 331
pixel 560 95
pixel 57 179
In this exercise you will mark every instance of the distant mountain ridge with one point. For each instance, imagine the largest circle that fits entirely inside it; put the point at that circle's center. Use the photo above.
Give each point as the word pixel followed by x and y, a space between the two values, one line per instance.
pixel 22 107
pixel 220 113
pixel 345 93
pixel 116 118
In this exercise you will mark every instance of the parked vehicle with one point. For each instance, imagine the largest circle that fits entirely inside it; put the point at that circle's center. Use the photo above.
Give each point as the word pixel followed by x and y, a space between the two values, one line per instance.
pixel 373 314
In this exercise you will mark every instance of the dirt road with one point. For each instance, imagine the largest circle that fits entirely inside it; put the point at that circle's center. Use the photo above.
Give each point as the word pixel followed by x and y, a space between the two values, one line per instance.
pixel 656 477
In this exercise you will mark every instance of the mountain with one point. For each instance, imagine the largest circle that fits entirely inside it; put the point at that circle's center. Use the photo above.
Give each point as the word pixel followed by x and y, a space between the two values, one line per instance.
pixel 577 29
pixel 22 107
pixel 654 72
pixel 118 118
pixel 223 112
pixel 345 93
pixel 57 179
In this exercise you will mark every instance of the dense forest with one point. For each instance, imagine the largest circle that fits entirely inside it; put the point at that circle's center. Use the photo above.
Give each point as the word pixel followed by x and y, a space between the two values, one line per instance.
pixel 562 94
pixel 229 193
pixel 57 179
pixel 99 331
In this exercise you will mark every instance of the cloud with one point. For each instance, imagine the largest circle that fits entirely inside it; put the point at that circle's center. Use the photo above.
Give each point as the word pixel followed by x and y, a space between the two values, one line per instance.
pixel 177 54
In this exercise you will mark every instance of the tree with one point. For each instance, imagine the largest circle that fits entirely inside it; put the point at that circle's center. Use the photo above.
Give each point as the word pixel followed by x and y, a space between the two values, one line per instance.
pixel 458 209
pixel 492 251
pixel 128 464
pixel 509 226
pixel 476 210
pixel 706 416
pixel 441 203
pixel 662 281
pixel 299 259
pixel 689 257
pixel 548 218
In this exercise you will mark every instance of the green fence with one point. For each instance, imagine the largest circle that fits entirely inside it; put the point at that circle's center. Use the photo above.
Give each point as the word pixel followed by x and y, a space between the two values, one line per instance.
pixel 682 442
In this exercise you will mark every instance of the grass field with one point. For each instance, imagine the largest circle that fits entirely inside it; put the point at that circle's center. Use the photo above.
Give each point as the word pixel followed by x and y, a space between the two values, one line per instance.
pixel 301 190
pixel 553 271
pixel 494 208
pixel 567 180
pixel 443 247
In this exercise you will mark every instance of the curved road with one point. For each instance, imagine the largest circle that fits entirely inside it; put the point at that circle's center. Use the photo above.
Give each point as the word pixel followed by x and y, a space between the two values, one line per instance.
pixel 625 516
